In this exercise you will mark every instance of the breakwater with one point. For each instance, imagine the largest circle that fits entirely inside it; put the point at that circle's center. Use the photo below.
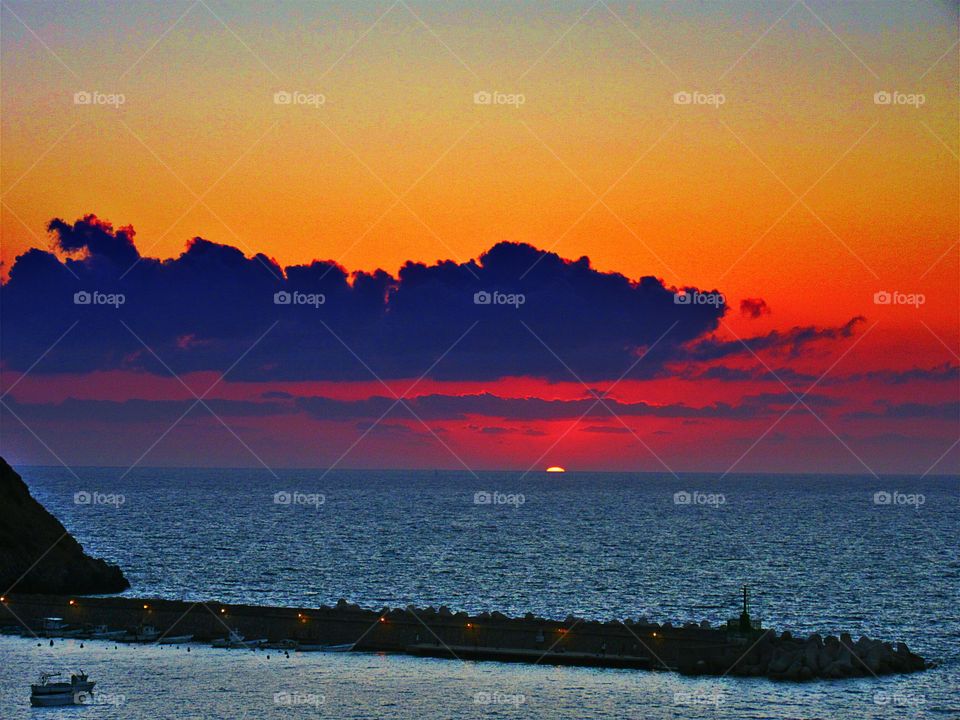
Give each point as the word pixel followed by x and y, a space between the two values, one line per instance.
pixel 692 649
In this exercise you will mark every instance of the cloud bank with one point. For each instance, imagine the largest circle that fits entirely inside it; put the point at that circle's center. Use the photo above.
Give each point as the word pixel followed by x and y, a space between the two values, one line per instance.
pixel 514 311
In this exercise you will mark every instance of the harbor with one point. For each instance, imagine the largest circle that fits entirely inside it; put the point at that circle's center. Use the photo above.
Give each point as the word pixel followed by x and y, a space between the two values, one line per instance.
pixel 741 648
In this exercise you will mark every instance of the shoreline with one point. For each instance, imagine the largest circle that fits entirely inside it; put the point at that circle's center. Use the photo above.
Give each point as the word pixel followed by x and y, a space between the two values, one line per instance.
pixel 690 650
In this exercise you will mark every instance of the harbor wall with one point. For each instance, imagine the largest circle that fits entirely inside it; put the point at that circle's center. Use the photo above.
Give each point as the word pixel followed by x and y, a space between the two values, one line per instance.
pixel 396 630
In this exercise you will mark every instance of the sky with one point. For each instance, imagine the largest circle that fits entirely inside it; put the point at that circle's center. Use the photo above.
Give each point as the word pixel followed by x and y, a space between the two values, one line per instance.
pixel 715 236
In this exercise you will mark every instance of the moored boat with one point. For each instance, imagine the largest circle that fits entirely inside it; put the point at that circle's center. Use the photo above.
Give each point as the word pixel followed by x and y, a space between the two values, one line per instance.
pixel 102 632
pixel 174 639
pixel 236 640
pixel 143 634
pixel 345 647
pixel 55 627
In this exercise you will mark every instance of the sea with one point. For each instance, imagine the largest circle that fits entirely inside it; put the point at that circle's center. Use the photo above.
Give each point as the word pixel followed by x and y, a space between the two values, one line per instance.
pixel 827 554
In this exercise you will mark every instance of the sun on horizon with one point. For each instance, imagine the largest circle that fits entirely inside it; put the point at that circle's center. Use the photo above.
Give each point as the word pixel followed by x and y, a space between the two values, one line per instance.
pixel 556 469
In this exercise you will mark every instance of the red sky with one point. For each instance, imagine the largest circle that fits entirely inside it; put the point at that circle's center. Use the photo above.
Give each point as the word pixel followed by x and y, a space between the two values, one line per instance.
pixel 810 161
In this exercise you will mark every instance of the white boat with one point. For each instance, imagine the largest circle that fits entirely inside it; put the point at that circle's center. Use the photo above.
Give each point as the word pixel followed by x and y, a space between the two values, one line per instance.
pixel 143 634
pixel 55 627
pixel 51 694
pixel 279 645
pixel 346 647
pixel 102 632
pixel 236 640
pixel 174 639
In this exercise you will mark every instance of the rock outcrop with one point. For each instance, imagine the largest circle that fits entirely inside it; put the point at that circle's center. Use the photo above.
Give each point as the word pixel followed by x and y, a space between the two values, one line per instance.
pixel 38 555
pixel 789 658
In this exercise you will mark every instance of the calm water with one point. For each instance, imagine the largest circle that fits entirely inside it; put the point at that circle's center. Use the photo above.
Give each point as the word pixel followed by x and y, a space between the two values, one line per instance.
pixel 819 552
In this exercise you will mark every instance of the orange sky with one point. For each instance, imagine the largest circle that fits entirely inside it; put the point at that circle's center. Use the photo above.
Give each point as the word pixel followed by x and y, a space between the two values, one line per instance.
pixel 799 188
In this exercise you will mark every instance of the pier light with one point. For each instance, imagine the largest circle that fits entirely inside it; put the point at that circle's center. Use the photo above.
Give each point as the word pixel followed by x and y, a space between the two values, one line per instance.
pixel 146 607
pixel 654 634
pixel 383 619
pixel 73 602
pixel 223 611
pixel 2 599
pixel 469 625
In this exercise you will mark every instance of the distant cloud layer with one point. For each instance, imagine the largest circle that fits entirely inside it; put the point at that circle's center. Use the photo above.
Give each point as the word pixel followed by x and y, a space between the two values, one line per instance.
pixel 516 310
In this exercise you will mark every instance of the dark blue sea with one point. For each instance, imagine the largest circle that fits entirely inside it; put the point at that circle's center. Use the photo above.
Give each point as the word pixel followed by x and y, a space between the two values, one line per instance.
pixel 828 554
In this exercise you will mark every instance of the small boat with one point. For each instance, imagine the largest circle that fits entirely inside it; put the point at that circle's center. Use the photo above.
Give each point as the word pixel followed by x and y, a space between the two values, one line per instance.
pixel 52 694
pixel 174 639
pixel 102 632
pixel 55 627
pixel 346 647
pixel 143 634
pixel 236 640
pixel 279 645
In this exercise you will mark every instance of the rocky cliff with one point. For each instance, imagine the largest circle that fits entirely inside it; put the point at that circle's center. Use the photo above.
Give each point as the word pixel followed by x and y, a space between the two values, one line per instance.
pixel 38 555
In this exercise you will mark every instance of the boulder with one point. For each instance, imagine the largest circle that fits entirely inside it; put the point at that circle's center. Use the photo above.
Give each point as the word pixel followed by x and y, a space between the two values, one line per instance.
pixel 811 656
pixel 781 660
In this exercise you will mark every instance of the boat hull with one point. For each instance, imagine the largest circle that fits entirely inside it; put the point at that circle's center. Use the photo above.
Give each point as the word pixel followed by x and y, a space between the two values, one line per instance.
pixel 176 640
pixel 53 700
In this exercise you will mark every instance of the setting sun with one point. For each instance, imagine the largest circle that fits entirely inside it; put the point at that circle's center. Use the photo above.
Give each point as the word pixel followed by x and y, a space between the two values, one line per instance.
pixel 556 468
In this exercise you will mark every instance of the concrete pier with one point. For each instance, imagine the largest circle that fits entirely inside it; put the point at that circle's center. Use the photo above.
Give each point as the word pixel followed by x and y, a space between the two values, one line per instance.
pixel 493 636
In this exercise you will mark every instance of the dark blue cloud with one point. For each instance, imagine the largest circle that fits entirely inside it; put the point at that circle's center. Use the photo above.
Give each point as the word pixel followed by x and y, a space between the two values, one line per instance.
pixel 206 308
pixel 426 407
pixel 949 410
